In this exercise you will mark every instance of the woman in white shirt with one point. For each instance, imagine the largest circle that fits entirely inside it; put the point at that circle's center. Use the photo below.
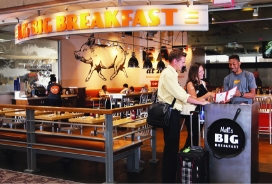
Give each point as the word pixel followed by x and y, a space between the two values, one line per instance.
pixel 125 89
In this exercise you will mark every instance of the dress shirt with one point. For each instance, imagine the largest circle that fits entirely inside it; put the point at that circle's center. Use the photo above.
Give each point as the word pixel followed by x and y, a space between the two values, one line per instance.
pixel 169 88
pixel 102 93
pixel 125 91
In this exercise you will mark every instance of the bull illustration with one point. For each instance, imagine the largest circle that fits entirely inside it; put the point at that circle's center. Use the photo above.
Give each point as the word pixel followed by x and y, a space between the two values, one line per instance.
pixel 101 57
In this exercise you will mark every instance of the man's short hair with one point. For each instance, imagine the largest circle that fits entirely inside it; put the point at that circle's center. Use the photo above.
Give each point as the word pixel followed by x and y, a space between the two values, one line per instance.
pixel 103 87
pixel 176 54
pixel 125 85
pixel 235 57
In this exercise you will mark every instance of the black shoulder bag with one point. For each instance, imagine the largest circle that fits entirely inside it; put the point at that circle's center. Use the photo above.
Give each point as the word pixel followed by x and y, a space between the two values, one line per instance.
pixel 159 113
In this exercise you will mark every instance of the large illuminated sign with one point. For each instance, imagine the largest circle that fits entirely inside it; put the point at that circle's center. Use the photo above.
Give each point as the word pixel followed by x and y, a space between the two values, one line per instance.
pixel 115 19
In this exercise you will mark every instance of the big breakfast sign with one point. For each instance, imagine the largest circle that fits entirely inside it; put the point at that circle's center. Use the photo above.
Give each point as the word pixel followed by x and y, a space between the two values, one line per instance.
pixel 115 19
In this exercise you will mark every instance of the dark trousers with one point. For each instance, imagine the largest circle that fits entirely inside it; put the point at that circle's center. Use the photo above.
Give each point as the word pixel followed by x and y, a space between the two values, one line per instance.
pixel 194 130
pixel 55 102
pixel 171 148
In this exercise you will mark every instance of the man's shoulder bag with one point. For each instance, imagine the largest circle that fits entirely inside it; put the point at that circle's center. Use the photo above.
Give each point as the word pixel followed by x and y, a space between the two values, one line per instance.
pixel 159 113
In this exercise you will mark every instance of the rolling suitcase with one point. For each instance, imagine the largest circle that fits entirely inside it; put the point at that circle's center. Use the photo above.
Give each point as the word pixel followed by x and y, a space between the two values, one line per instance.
pixel 193 162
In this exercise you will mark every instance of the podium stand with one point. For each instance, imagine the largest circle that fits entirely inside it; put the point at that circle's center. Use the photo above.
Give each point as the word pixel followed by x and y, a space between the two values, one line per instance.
pixel 241 167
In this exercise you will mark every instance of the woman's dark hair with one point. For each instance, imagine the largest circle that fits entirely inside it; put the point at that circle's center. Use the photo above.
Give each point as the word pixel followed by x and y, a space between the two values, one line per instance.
pixel 52 78
pixel 131 88
pixel 193 75
pixel 125 85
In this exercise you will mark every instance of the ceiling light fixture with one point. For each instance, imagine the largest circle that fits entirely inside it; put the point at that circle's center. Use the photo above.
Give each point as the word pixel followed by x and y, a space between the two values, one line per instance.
pixel 255 13
pixel 160 65
pixel 133 61
pixel 147 62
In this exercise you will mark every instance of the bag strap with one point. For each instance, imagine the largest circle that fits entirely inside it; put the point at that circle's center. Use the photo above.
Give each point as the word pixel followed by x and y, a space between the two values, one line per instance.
pixel 174 101
pixel 155 99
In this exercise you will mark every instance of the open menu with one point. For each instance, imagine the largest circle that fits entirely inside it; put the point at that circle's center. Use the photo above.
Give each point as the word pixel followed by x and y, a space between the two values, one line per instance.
pixel 225 96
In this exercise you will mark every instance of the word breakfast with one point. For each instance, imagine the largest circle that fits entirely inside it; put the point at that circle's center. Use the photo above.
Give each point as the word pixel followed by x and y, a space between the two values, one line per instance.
pixel 117 17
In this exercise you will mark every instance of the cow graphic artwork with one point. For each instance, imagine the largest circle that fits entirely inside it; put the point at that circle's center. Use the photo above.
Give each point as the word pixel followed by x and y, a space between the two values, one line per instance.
pixel 101 57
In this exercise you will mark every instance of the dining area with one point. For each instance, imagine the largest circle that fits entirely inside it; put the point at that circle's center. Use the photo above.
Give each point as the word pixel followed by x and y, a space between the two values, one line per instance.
pixel 91 134
pixel 117 99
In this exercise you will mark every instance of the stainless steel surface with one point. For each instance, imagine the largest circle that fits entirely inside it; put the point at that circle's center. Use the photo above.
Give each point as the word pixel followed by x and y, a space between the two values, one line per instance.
pixel 244 167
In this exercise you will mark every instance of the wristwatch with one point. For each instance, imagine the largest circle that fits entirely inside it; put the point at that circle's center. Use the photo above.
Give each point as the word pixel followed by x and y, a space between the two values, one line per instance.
pixel 242 94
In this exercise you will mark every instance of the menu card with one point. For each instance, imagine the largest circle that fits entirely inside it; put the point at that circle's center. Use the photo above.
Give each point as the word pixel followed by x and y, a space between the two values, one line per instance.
pixel 225 96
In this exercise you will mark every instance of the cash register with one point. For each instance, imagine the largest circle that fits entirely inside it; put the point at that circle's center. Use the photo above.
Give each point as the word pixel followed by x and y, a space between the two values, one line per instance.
pixel 39 91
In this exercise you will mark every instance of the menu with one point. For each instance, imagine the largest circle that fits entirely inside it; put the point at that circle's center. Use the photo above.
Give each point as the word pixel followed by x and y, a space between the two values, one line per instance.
pixel 225 96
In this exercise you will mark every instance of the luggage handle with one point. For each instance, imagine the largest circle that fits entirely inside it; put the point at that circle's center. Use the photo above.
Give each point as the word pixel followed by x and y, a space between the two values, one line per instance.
pixel 191 125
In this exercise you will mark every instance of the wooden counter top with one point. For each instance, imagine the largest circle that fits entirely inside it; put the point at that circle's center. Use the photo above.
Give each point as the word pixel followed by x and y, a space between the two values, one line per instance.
pixel 91 120
pixel 52 117
pixel 8 110
pixel 44 97
pixel 68 96
pixel 23 113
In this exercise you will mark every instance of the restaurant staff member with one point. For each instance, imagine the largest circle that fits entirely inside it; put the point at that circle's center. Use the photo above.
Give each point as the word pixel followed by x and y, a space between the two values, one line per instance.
pixel 54 92
pixel 244 80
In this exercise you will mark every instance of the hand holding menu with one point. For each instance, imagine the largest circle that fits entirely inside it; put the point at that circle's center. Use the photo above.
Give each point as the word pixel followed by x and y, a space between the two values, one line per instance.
pixel 225 96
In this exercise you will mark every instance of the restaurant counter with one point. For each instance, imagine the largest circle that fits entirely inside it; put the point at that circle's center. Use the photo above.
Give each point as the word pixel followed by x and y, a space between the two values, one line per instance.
pixel 67 100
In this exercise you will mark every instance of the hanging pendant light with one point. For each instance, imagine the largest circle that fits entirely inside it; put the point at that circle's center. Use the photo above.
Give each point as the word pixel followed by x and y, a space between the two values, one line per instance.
pixel 133 62
pixel 160 65
pixel 147 62
pixel 183 69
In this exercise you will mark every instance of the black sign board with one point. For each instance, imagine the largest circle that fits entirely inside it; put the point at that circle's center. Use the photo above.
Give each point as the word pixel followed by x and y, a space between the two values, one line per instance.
pixel 226 138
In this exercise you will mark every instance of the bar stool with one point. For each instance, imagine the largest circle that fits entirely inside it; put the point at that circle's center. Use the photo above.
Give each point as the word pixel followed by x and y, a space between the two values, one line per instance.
pixel 144 133
pixel 18 120
pixel 265 116
pixel 143 100
pixel 72 128
pixel 102 131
